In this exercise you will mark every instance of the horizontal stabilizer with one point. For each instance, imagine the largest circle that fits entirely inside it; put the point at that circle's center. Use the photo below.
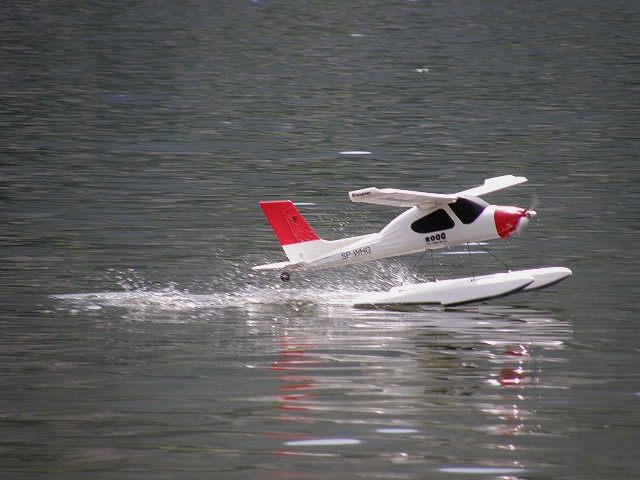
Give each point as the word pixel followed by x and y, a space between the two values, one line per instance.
pixel 400 198
pixel 276 266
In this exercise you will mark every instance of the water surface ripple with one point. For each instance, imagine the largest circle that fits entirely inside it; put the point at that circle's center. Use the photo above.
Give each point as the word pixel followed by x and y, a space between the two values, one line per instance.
pixel 136 141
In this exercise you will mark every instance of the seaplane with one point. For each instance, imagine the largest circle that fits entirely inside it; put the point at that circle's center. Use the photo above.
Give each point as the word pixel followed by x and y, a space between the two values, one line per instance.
pixel 430 221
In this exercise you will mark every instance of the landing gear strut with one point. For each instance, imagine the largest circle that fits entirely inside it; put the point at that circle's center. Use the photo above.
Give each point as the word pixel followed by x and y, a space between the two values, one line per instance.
pixel 285 276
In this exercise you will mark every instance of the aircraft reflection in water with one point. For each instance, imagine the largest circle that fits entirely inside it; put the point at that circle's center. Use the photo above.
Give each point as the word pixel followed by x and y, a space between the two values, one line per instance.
pixel 356 383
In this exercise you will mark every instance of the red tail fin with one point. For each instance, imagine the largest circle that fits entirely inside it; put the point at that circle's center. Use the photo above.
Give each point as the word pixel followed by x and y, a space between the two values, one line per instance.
pixel 287 222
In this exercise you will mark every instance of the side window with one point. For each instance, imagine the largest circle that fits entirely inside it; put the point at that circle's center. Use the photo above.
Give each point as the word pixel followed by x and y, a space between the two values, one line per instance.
pixel 466 210
pixel 438 220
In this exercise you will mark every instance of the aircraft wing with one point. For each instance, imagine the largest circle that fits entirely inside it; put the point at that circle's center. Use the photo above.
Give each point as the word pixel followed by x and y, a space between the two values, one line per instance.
pixel 423 200
pixel 492 185
pixel 400 198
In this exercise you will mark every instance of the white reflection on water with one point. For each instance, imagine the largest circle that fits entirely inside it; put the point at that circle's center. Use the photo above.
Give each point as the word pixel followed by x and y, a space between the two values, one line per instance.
pixel 396 385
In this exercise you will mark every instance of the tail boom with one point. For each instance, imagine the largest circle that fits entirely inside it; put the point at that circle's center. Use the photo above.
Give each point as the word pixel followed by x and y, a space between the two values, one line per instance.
pixel 303 247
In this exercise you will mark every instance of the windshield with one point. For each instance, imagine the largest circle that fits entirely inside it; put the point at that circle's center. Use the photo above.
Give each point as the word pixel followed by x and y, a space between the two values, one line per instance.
pixel 468 209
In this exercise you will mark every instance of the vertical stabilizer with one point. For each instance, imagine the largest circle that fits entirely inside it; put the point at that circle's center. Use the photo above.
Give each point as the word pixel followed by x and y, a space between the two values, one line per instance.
pixel 291 228
pixel 287 222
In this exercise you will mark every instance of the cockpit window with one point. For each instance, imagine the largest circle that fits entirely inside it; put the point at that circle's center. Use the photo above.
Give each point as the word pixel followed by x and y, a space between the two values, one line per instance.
pixel 468 210
pixel 438 220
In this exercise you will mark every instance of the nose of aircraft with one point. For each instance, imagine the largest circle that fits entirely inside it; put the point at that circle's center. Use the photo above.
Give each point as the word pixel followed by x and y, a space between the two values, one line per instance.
pixel 511 219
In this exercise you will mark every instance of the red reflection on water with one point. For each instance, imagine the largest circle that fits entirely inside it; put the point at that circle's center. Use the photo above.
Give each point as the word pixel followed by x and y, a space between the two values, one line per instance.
pixel 292 358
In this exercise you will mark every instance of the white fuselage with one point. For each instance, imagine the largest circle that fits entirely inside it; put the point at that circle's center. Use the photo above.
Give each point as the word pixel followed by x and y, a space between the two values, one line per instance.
pixel 397 238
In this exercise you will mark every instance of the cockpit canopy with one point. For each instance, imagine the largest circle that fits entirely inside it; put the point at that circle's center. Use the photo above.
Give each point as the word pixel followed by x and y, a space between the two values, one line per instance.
pixel 467 209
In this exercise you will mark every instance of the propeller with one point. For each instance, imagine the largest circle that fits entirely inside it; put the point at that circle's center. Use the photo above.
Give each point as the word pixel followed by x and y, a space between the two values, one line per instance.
pixel 528 214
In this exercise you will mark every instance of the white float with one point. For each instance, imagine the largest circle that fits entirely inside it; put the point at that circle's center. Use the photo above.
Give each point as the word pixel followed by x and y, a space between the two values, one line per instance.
pixel 466 290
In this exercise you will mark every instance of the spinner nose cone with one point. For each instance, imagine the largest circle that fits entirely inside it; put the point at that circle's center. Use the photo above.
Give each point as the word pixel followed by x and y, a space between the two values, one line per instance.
pixel 508 218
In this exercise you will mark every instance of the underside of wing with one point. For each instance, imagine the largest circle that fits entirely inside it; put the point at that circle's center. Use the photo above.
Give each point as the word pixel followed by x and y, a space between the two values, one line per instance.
pixel 492 185
pixel 400 198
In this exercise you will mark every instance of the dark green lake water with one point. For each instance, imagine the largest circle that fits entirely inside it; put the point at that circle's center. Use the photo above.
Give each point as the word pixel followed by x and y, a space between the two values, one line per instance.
pixel 136 141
